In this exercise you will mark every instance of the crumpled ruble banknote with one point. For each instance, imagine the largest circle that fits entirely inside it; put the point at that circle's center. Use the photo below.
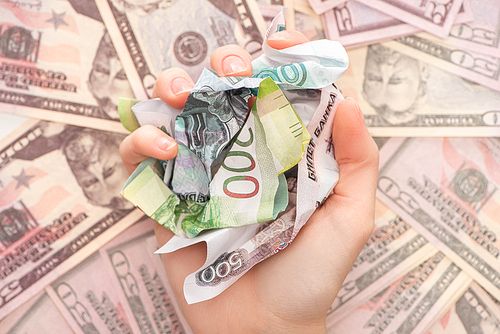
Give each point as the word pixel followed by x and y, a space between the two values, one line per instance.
pixel 237 168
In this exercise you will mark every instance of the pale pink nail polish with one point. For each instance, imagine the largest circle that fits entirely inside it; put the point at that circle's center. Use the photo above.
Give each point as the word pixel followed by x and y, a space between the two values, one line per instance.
pixel 181 85
pixel 233 64
pixel 165 143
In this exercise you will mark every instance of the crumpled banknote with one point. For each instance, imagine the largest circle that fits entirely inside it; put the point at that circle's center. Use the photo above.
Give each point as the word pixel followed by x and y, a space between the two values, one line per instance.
pixel 251 178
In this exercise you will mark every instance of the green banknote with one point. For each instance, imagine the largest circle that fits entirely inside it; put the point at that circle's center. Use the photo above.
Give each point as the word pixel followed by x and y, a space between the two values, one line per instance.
pixel 248 185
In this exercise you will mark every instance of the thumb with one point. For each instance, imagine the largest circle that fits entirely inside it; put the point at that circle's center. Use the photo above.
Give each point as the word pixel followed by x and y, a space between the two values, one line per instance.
pixel 355 152
pixel 353 199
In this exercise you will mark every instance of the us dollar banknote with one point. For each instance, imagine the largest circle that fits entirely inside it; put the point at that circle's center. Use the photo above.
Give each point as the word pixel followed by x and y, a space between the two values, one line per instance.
pixel 150 37
pixel 321 6
pixel 474 312
pixel 433 16
pixel 57 62
pixel 412 303
pixel 405 96
pixel 37 315
pixel 355 24
pixel 393 249
pixel 142 282
pixel 307 21
pixel 59 188
pixel 465 63
pixel 482 34
pixel 300 13
pixel 88 300
pixel 452 199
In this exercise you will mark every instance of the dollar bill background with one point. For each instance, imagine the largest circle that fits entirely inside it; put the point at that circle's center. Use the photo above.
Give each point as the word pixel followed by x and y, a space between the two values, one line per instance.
pixel 418 69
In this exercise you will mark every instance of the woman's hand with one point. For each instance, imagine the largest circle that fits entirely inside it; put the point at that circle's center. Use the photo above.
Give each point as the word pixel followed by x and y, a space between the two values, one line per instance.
pixel 291 291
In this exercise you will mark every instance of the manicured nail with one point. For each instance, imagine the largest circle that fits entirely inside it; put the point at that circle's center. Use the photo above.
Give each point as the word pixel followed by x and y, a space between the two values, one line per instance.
pixel 233 65
pixel 165 143
pixel 280 36
pixel 181 85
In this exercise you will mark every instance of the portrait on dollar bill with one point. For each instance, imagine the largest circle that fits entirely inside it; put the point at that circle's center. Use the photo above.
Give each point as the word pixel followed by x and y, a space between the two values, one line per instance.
pixel 400 88
pixel 60 64
pixel 92 156
pixel 107 80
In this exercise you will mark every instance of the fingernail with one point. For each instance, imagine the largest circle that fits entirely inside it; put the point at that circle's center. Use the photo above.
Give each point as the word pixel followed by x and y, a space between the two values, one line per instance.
pixel 181 85
pixel 280 36
pixel 233 65
pixel 165 143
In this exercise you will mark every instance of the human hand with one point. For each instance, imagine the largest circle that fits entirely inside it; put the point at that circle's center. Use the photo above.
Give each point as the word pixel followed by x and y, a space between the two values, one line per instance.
pixel 291 291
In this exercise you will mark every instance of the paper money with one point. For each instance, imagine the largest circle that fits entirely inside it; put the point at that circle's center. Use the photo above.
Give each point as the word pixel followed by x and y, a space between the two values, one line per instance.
pixel 434 16
pixel 482 35
pixel 59 203
pixel 161 275
pixel 468 64
pixel 142 282
pixel 270 2
pixel 304 18
pixel 394 248
pixel 9 123
pixel 405 96
pixel 88 301
pixel 321 6
pixel 219 185
pixel 57 63
pixel 475 312
pixel 38 315
pixel 411 304
pixel 354 24
pixel 234 251
pixel 151 37
pixel 452 199
pixel 272 139
pixel 307 21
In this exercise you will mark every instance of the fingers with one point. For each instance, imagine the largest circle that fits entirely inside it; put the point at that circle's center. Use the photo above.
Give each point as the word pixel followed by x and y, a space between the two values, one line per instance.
pixel 286 38
pixel 147 141
pixel 173 87
pixel 231 60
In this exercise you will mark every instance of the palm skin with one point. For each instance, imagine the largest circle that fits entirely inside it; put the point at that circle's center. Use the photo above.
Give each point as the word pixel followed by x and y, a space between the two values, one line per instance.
pixel 291 291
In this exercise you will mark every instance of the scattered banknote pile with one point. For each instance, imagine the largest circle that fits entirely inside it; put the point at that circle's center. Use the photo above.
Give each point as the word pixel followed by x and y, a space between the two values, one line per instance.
pixel 424 72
